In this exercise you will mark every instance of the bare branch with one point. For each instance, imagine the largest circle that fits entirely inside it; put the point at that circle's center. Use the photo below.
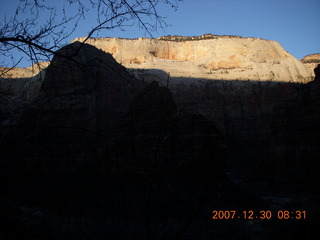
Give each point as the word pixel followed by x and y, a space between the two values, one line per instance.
pixel 39 41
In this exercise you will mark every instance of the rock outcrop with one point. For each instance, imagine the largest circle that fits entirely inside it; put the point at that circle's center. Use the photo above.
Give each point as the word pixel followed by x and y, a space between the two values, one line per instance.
pixel 85 116
pixel 155 140
pixel 311 58
pixel 20 85
pixel 13 80
pixel 214 58
pixel 158 158
pixel 294 152
pixel 75 113
pixel 311 62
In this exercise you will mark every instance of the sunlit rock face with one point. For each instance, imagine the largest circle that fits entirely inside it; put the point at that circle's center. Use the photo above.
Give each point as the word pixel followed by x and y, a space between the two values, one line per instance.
pixel 218 57
pixel 311 61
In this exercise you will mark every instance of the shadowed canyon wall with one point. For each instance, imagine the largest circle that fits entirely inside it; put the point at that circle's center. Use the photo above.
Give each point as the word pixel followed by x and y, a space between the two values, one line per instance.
pixel 95 152
pixel 92 113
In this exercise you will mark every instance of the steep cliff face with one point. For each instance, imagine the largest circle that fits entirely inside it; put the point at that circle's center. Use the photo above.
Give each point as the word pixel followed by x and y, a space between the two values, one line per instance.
pixel 73 115
pixel 216 58
pixel 296 134
pixel 154 139
pixel 87 115
pixel 311 61
pixel 20 85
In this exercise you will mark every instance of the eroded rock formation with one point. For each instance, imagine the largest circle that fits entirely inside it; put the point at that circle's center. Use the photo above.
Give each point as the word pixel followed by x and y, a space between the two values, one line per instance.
pixel 311 62
pixel 84 117
pixel 22 83
pixel 294 152
pixel 75 113
pixel 154 139
pixel 213 58
pixel 88 115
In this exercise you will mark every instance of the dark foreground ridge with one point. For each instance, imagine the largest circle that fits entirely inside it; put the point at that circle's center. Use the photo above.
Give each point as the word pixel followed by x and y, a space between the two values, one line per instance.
pixel 101 155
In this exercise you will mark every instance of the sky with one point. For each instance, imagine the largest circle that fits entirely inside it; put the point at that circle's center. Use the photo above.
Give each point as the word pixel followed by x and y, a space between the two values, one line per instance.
pixel 292 23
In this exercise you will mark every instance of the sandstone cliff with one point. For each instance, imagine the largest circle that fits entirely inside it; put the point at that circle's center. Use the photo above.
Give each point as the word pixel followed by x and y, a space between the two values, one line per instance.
pixel 18 85
pixel 224 57
pixel 311 61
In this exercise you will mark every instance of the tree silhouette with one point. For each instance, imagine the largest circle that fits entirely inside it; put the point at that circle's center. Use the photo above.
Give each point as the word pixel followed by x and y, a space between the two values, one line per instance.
pixel 40 40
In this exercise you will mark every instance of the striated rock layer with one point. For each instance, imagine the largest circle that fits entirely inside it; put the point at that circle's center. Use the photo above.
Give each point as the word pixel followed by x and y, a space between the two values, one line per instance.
pixel 311 61
pixel 233 58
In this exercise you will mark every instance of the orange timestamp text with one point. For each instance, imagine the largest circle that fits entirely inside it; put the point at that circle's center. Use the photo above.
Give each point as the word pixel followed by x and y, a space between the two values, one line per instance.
pixel 262 214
